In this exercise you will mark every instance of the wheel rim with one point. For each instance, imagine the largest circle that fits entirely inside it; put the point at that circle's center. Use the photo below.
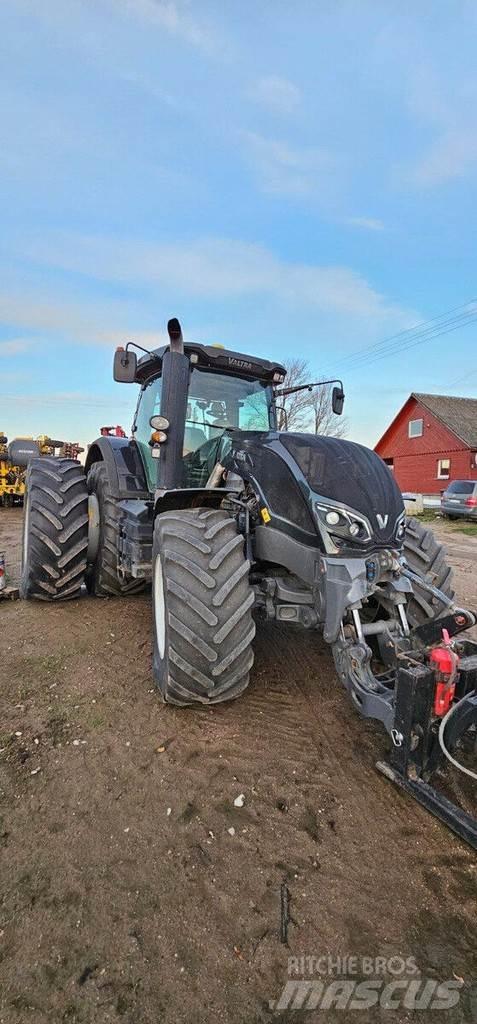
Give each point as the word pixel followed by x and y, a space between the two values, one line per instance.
pixel 159 607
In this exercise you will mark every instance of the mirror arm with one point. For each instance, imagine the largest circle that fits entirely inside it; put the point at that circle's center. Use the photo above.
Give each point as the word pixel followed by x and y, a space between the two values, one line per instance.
pixel 306 387
pixel 135 344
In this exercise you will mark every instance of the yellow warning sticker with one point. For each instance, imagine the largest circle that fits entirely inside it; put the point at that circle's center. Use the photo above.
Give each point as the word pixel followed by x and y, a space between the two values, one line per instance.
pixel 265 514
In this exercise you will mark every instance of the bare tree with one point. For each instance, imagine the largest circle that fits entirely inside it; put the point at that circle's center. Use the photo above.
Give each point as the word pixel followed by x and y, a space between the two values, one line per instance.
pixel 322 417
pixel 293 409
pixel 308 411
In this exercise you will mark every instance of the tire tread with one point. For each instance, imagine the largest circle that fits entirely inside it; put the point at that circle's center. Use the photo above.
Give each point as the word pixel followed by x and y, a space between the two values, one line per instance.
pixel 208 607
pixel 56 520
pixel 426 556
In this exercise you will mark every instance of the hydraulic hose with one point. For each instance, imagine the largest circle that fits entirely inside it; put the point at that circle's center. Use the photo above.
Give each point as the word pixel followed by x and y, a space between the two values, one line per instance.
pixel 445 751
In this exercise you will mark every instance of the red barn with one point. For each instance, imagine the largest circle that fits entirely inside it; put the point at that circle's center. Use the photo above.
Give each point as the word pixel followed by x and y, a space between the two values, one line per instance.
pixel 432 440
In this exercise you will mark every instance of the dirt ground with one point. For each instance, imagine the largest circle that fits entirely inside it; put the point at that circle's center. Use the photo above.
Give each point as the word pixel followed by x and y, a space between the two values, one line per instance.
pixel 125 894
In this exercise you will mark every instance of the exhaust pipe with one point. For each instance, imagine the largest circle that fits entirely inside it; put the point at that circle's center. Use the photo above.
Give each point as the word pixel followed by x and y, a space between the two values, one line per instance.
pixel 174 331
pixel 175 386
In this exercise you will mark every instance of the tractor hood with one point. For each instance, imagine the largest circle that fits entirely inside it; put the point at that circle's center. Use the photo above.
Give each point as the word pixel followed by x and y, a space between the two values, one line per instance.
pixel 351 475
pixel 300 477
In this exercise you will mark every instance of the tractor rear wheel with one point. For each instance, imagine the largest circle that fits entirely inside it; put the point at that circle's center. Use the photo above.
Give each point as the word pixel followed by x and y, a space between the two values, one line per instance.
pixel 102 576
pixel 202 607
pixel 426 556
pixel 55 530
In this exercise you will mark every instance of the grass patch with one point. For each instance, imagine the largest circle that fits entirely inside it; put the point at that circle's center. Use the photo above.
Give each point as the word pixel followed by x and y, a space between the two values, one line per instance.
pixel 424 517
pixel 57 727
pixel 41 666
pixel 470 529
pixel 95 721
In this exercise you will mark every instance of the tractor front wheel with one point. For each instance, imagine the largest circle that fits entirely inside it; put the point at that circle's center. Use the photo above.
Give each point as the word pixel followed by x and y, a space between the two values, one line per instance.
pixel 426 556
pixel 202 607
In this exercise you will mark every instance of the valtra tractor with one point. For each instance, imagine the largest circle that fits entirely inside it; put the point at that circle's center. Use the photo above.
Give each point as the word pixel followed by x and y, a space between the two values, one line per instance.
pixel 232 520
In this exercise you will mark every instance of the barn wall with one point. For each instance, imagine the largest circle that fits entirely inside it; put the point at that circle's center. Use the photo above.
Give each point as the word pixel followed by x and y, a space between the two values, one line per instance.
pixel 419 472
pixel 415 458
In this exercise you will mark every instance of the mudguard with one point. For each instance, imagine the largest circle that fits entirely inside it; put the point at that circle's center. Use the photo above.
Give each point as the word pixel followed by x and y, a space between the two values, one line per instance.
pixel 125 467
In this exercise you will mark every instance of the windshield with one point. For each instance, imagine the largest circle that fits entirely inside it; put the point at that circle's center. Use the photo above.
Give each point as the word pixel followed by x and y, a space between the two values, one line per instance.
pixel 216 402
pixel 461 487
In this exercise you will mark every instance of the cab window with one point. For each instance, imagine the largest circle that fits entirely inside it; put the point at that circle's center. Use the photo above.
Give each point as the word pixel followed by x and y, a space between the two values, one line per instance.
pixel 216 402
pixel 149 405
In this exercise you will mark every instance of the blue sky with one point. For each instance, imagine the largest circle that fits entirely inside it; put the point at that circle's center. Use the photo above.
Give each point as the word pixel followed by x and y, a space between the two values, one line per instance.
pixel 287 179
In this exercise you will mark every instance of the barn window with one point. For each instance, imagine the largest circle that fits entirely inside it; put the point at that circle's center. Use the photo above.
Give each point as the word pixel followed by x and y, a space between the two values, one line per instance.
pixel 416 428
pixel 443 469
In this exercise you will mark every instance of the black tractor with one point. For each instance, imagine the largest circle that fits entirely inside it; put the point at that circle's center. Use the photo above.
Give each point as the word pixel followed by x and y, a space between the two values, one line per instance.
pixel 227 516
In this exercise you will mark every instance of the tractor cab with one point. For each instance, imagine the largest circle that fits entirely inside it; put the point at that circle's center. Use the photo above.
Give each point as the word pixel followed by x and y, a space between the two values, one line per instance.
pixel 217 403
pixel 199 395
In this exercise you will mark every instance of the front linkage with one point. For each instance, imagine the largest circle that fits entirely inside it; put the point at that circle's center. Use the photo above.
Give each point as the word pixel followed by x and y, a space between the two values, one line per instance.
pixel 426 696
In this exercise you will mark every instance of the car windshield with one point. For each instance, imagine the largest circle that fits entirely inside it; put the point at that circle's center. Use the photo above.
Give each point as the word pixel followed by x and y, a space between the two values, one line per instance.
pixel 461 487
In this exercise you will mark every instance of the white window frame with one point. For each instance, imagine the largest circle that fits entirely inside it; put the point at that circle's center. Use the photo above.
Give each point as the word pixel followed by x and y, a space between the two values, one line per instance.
pixel 411 424
pixel 441 474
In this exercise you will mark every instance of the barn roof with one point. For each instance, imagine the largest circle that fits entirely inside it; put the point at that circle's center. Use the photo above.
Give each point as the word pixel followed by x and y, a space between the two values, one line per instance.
pixel 458 414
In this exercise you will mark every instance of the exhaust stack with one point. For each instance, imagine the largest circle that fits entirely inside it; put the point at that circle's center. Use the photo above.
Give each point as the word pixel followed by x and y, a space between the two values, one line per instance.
pixel 174 331
pixel 175 385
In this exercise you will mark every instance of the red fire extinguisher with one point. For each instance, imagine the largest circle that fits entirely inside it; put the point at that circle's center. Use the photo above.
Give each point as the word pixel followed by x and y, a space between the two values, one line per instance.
pixel 445 662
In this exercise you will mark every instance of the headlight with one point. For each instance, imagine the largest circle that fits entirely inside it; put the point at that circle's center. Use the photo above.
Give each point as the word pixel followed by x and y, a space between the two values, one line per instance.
pixel 344 525
pixel 332 518
pixel 401 528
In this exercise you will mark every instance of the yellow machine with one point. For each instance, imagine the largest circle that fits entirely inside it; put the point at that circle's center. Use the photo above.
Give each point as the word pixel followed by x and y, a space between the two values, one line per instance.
pixel 12 478
pixel 14 458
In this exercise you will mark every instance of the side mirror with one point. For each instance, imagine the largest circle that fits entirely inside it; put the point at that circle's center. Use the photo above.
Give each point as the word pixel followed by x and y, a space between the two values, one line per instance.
pixel 337 400
pixel 124 367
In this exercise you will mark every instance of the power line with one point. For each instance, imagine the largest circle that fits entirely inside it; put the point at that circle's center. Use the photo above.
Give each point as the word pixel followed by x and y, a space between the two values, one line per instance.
pixel 435 327
pixel 458 380
pixel 469 308
pixel 426 334
pixel 415 340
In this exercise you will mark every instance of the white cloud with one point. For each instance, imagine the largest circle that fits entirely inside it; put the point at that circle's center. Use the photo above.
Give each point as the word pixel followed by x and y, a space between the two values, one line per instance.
pixel 74 21
pixel 174 17
pixel 14 346
pixel 449 110
pixel 88 324
pixel 71 398
pixel 210 268
pixel 285 170
pixel 368 223
pixel 278 95
pixel 453 155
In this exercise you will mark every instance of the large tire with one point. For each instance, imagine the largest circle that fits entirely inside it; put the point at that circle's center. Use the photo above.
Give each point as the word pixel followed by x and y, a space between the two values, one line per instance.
pixel 102 577
pixel 426 556
pixel 202 608
pixel 55 530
